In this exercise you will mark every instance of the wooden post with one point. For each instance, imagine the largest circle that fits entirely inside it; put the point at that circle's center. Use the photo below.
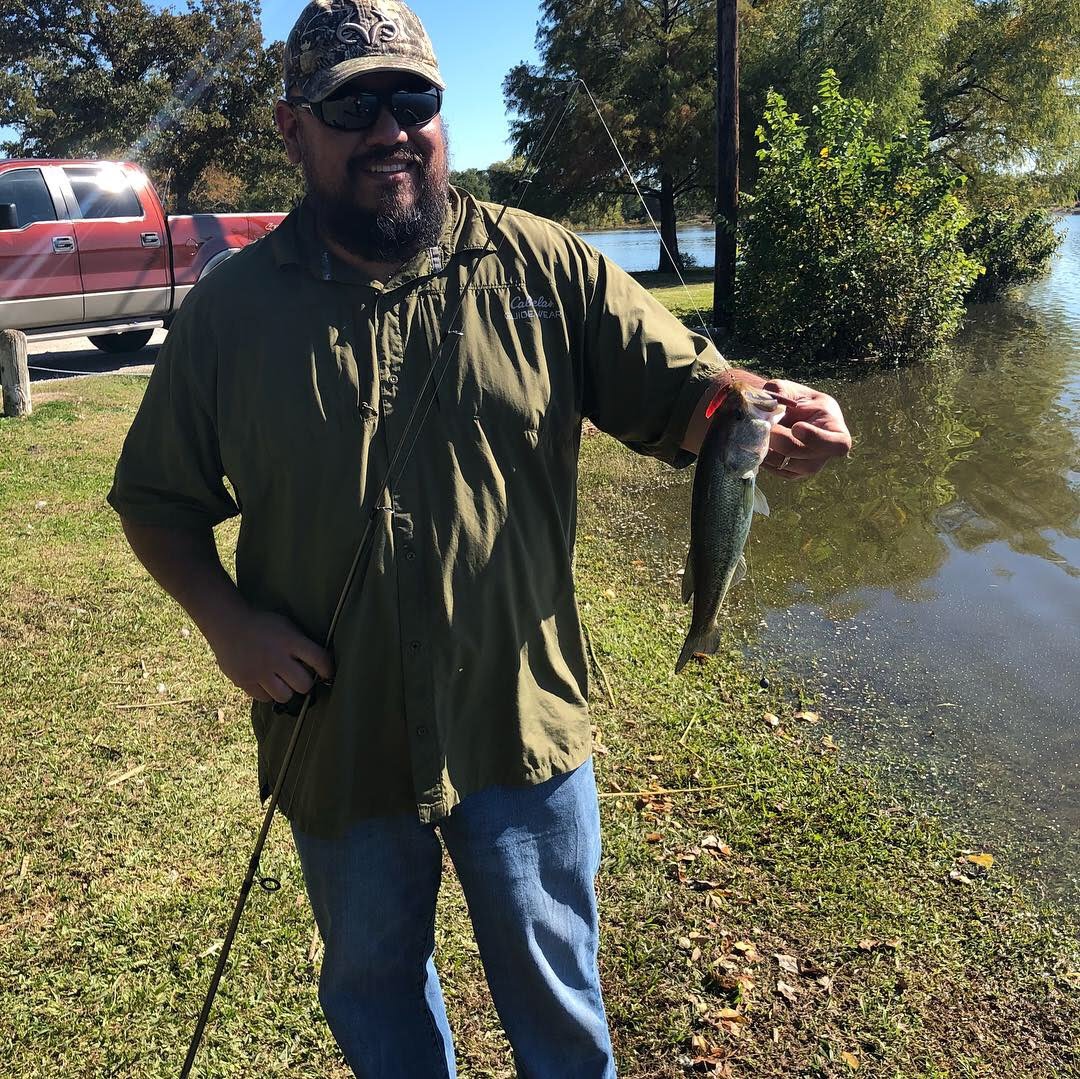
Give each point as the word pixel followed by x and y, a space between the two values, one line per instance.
pixel 727 158
pixel 14 374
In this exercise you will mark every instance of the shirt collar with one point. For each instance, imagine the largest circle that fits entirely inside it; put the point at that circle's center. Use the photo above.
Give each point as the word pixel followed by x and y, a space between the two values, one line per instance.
pixel 296 242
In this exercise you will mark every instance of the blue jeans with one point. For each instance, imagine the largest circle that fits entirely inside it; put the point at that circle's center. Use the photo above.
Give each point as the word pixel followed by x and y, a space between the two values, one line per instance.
pixel 526 858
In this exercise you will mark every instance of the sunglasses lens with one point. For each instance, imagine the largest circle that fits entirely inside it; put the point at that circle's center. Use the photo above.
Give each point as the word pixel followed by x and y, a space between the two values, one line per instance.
pixel 413 107
pixel 353 113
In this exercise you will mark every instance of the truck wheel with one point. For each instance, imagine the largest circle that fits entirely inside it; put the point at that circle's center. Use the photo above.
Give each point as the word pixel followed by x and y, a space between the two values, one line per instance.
pixel 131 341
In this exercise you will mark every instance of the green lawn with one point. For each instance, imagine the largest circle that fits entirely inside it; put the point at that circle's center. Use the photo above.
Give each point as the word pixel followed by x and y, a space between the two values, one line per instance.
pixel 129 807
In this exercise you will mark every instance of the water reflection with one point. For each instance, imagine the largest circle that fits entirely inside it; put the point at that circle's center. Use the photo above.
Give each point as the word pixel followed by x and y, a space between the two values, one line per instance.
pixel 932 582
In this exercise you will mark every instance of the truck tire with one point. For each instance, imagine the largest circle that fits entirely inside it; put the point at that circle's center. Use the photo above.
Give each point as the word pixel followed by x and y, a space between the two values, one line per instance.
pixel 131 341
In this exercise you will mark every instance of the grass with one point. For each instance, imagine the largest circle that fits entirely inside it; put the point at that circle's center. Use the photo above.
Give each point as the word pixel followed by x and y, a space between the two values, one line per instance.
pixel 124 832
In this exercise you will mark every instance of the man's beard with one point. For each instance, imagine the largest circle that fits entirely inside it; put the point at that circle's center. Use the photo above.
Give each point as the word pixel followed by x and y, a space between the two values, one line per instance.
pixel 393 232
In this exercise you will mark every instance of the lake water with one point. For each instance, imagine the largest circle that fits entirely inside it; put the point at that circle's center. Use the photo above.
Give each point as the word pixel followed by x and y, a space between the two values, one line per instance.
pixel 931 583
pixel 639 249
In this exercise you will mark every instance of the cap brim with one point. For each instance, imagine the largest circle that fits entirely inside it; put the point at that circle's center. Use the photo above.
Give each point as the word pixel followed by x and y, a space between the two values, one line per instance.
pixel 322 84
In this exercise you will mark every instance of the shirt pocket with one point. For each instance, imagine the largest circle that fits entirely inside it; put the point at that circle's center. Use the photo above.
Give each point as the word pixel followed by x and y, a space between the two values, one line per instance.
pixel 512 370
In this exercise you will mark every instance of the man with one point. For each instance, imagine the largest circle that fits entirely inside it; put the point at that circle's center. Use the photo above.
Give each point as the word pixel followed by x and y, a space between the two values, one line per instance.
pixel 458 698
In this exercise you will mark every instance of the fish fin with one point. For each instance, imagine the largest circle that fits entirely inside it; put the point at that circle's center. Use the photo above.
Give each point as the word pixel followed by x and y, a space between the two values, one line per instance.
pixel 688 578
pixel 761 503
pixel 740 571
pixel 705 643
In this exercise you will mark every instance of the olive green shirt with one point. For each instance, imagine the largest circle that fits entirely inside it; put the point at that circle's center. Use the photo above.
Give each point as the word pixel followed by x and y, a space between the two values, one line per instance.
pixel 459 662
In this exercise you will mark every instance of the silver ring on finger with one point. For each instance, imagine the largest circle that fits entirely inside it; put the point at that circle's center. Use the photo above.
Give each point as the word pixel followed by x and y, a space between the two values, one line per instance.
pixel 784 463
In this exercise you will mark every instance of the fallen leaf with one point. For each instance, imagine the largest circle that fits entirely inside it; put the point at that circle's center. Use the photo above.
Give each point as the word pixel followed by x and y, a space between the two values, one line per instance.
pixel 653 837
pixel 220 715
pixel 828 743
pixel 730 1015
pixel 788 992
pixel 710 886
pixel 982 859
pixel 771 720
pixel 808 717
pixel 959 878
pixel 825 982
pixel 867 944
pixel 851 1060
pixel 746 950
pixel 695 955
pixel 787 963
pixel 717 845
pixel 741 983
pixel 685 943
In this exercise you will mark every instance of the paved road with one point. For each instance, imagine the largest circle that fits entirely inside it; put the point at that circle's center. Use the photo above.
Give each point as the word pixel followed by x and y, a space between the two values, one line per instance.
pixel 63 359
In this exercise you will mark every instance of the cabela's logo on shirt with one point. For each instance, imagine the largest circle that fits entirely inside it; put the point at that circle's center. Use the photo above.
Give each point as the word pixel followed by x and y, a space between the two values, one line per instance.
pixel 526 306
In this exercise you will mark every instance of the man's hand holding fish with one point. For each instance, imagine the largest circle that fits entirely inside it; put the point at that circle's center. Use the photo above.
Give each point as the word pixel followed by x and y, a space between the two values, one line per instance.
pixel 821 433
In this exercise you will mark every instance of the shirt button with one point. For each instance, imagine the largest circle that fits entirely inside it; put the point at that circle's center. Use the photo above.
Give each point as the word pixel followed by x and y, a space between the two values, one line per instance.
pixel 392 380
pixel 421 731
pixel 410 554
pixel 414 646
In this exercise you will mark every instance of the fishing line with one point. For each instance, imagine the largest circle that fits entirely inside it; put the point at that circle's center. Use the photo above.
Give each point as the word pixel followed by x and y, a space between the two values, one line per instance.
pixel 674 262
pixel 398 461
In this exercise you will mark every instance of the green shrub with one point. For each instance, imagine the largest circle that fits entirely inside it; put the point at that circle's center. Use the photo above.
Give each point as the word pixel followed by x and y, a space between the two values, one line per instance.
pixel 1015 246
pixel 851 247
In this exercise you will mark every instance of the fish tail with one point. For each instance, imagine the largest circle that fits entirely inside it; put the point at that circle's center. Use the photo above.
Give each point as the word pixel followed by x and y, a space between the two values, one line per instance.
pixel 706 642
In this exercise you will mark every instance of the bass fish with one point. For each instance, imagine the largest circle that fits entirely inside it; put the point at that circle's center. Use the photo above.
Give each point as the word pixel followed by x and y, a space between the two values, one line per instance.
pixel 724 500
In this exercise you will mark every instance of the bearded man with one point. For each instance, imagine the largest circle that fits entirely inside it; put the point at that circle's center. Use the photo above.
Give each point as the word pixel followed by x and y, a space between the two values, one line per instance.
pixel 457 713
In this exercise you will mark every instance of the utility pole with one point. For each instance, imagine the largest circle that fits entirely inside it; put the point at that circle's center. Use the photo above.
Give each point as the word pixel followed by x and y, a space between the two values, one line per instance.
pixel 727 158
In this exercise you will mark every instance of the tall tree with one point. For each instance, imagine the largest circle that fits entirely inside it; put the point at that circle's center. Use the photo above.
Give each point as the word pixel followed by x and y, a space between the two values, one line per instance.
pixel 996 79
pixel 1004 100
pixel 649 64
pixel 178 92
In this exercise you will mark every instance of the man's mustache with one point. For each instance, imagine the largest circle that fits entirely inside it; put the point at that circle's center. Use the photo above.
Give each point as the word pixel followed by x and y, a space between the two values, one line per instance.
pixel 390 156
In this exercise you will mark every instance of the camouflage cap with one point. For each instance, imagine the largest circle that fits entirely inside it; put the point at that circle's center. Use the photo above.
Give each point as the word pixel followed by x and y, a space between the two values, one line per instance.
pixel 333 41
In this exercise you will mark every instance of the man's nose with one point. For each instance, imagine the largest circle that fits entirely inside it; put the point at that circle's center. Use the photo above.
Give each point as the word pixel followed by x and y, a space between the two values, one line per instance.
pixel 386 131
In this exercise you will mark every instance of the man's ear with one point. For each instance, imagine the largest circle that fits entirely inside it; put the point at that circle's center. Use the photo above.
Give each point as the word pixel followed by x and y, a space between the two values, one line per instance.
pixel 289 128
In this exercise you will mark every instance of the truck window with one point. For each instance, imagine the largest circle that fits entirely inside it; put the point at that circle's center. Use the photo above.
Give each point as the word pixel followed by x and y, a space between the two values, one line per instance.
pixel 103 192
pixel 26 188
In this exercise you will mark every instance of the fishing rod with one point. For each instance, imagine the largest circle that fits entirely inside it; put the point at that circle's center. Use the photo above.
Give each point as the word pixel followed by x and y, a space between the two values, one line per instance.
pixel 358 571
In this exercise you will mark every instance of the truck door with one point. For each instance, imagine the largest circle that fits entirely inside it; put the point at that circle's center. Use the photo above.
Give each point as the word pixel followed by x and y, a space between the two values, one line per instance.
pixel 39 265
pixel 122 244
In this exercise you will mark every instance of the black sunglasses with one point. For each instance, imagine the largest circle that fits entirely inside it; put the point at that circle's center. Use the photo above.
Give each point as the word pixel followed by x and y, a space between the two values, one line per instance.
pixel 357 110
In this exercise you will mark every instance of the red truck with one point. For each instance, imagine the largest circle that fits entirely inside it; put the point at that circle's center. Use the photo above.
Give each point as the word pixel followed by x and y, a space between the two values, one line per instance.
pixel 87 250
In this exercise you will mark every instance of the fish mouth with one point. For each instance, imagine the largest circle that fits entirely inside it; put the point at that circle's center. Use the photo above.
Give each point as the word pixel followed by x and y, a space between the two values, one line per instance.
pixel 762 400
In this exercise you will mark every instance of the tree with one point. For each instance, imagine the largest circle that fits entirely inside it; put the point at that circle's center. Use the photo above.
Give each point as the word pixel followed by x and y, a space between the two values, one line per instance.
pixel 475 181
pixel 649 64
pixel 178 92
pixel 852 246
pixel 1004 101
pixel 995 79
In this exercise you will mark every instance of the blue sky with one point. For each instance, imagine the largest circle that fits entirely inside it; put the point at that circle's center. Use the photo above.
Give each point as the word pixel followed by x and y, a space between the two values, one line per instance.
pixel 477 42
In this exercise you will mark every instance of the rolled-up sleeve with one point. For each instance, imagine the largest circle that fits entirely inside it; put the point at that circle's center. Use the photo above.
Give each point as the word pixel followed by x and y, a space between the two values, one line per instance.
pixel 170 472
pixel 645 372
